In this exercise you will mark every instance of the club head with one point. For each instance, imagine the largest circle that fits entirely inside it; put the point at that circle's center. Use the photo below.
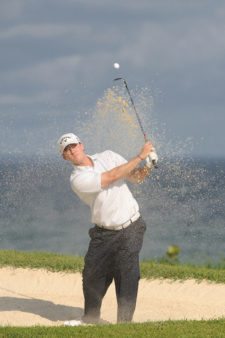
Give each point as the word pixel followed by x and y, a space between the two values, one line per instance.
pixel 118 78
pixel 124 81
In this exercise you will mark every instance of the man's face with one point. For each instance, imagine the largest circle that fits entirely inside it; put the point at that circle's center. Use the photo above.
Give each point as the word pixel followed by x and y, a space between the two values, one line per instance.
pixel 74 153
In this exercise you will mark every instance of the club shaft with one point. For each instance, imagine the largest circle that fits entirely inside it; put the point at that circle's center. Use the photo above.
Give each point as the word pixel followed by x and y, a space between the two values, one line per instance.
pixel 137 115
pixel 135 110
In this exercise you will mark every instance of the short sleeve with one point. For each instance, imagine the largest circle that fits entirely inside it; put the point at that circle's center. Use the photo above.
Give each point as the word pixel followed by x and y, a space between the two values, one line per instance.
pixel 87 182
pixel 117 159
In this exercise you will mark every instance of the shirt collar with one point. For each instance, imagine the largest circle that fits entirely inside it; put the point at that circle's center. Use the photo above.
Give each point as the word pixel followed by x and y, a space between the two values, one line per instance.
pixel 84 167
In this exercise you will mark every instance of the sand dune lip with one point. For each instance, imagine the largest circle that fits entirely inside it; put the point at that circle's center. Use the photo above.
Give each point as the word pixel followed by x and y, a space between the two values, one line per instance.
pixel 39 297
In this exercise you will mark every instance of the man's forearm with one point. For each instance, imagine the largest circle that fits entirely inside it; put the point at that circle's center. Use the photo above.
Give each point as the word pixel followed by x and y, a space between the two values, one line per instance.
pixel 119 172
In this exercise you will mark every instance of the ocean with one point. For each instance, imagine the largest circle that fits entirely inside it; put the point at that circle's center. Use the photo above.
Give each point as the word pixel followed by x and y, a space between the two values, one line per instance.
pixel 182 202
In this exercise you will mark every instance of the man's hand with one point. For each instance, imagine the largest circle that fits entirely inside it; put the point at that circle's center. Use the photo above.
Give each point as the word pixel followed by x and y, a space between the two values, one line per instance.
pixel 152 159
pixel 130 169
pixel 148 154
pixel 146 150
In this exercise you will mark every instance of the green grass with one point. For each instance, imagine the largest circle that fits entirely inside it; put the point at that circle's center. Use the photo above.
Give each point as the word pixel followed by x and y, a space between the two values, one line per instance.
pixel 149 269
pixel 175 329
pixel 152 269
pixel 41 260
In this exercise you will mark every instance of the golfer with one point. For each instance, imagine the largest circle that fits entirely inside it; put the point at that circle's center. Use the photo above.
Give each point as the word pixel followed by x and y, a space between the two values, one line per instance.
pixel 117 236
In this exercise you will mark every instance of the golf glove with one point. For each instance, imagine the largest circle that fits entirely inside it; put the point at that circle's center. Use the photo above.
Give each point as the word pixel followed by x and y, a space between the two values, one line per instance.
pixel 152 159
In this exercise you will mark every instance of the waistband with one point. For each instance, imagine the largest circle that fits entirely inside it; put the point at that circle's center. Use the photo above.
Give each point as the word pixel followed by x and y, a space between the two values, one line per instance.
pixel 122 226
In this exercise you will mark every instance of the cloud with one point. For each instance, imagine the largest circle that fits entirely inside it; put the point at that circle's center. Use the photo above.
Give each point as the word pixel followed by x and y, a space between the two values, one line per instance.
pixel 12 9
pixel 175 46
pixel 55 73
pixel 45 31
pixel 31 99
pixel 58 71
pixel 49 48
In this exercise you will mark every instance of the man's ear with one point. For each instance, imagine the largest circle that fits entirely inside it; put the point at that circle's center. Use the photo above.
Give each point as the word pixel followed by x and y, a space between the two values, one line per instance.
pixel 64 156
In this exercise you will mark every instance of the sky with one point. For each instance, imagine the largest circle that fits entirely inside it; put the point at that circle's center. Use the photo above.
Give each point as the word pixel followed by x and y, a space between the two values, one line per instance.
pixel 57 59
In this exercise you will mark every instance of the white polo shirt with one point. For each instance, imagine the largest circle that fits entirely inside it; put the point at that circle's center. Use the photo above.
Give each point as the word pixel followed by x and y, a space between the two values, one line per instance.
pixel 110 206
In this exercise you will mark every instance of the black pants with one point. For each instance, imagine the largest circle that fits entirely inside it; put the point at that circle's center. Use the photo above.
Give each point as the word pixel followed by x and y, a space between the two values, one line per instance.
pixel 113 255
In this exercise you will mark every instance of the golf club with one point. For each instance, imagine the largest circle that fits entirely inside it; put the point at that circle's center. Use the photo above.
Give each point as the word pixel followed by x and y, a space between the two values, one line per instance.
pixel 153 157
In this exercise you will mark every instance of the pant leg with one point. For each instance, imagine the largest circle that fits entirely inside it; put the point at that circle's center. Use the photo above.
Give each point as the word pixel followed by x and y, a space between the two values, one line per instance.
pixel 97 273
pixel 127 271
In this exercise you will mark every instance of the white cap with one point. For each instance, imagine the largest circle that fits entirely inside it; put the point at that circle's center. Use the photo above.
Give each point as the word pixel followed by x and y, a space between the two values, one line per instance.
pixel 67 139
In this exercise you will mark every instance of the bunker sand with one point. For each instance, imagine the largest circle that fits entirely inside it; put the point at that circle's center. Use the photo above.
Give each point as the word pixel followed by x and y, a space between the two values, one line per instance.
pixel 39 297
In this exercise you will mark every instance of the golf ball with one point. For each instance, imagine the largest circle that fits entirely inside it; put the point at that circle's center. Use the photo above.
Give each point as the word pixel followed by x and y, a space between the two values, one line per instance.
pixel 116 65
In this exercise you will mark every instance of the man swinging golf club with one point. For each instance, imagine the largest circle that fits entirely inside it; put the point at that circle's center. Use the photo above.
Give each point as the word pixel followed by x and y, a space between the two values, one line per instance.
pixel 116 239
